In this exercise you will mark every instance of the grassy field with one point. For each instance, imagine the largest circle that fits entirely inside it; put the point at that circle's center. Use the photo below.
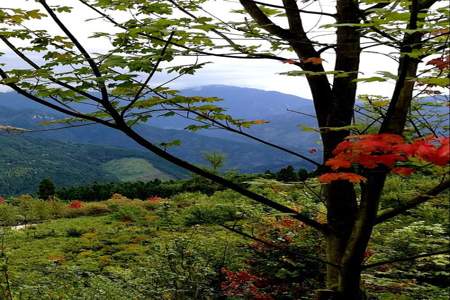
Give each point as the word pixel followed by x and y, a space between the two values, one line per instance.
pixel 178 248
pixel 134 169
pixel 122 249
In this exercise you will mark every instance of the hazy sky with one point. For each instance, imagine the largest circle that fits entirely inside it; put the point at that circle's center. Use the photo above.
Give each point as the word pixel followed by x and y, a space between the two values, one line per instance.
pixel 261 74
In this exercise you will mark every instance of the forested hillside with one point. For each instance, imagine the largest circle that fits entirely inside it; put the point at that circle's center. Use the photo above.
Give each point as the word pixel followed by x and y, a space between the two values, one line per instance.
pixel 26 161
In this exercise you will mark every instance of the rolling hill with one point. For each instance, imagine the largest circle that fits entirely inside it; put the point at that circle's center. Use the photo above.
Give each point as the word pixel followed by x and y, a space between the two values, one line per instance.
pixel 26 161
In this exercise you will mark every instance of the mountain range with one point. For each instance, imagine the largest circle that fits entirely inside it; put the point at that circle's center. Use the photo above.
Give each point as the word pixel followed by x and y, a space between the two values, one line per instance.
pixel 97 153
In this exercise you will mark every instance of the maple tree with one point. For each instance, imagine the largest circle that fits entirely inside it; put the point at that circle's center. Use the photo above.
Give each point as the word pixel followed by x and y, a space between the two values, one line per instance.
pixel 118 82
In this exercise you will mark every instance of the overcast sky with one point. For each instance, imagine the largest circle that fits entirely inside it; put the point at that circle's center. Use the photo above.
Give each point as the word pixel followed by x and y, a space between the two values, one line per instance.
pixel 261 74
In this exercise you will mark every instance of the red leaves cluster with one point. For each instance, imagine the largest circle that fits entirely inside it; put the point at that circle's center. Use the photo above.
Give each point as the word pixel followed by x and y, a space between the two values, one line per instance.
pixel 404 171
pixel 442 63
pixel 2 200
pixel 313 60
pixel 309 60
pixel 369 151
pixel 433 150
pixel 288 222
pixel 384 150
pixel 154 199
pixel 76 204
pixel 352 177
pixel 244 284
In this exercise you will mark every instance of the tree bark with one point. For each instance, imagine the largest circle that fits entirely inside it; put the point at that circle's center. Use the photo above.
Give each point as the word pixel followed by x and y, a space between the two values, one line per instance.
pixel 350 275
pixel 341 200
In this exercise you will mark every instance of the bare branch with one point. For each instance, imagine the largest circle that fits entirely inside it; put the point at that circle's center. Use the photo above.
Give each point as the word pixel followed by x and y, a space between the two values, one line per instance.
pixel 293 16
pixel 401 98
pixel 11 129
pixel 240 132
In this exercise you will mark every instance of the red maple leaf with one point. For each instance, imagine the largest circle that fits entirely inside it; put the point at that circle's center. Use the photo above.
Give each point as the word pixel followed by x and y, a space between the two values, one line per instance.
pixel 384 150
pixel 441 63
pixel 442 155
pixel 313 60
pixel 352 177
pixel 337 163
pixel 404 171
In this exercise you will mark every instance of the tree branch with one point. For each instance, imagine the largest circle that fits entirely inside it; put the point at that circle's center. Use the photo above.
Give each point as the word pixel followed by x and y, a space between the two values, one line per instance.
pixel 296 9
pixel 51 78
pixel 226 183
pixel 80 48
pixel 400 259
pixel 228 128
pixel 231 129
pixel 270 244
pixel 32 97
pixel 205 53
pixel 293 16
pixel 389 213
pixel 401 98
pixel 150 76
pixel 426 3
pixel 264 22
pixel 380 5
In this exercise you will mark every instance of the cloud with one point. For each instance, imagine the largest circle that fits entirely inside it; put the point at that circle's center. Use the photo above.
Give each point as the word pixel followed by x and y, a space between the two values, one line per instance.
pixel 261 74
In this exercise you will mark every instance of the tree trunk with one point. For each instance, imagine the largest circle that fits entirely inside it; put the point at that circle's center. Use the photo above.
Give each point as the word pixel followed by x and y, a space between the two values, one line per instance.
pixel 349 284
pixel 341 203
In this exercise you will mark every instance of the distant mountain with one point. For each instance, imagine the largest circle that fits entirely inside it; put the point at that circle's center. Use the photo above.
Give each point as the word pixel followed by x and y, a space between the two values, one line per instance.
pixel 242 156
pixel 238 101
pixel 241 153
pixel 288 115
pixel 286 128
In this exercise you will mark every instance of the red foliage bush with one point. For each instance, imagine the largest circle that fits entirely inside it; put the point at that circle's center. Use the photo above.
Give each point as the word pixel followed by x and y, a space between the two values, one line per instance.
pixel 154 199
pixel 244 284
pixel 76 204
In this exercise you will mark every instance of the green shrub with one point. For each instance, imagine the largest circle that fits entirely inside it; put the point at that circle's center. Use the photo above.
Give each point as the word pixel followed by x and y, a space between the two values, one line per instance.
pixel 132 214
pixel 212 214
pixel 94 209
pixel 39 210
pixel 9 215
